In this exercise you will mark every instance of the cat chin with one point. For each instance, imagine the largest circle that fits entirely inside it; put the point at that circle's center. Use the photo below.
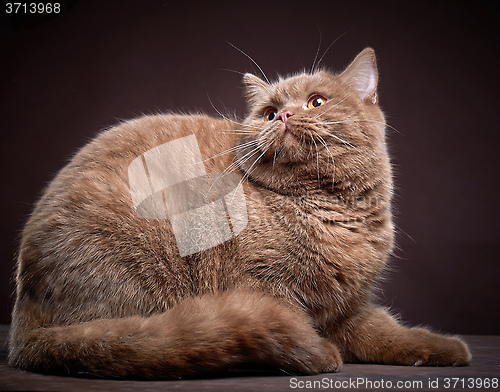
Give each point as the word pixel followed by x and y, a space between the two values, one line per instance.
pixel 286 146
pixel 289 135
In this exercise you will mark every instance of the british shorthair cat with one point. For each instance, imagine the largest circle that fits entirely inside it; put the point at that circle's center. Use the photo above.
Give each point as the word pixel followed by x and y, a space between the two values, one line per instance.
pixel 106 288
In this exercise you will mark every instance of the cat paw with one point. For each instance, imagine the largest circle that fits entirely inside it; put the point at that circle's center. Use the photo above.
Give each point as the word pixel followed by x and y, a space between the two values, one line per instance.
pixel 321 357
pixel 436 350
pixel 333 360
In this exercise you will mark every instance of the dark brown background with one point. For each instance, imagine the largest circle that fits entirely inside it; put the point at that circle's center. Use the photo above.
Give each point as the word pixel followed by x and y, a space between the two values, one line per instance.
pixel 65 79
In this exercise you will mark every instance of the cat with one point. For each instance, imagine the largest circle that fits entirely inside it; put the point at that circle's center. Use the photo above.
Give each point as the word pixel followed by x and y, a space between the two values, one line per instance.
pixel 102 290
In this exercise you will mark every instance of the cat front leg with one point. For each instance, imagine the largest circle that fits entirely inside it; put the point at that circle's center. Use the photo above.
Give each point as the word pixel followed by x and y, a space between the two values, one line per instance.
pixel 374 336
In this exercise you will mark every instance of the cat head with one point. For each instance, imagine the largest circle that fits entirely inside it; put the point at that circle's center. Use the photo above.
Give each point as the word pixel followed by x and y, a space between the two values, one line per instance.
pixel 315 130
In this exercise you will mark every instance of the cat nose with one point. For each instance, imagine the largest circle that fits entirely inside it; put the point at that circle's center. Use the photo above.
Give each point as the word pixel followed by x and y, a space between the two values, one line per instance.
pixel 284 116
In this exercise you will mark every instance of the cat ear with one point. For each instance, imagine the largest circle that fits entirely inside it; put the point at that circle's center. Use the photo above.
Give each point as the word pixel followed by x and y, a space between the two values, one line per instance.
pixel 363 76
pixel 255 87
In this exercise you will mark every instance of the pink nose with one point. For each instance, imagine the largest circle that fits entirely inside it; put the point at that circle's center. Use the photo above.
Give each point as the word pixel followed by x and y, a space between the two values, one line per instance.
pixel 284 116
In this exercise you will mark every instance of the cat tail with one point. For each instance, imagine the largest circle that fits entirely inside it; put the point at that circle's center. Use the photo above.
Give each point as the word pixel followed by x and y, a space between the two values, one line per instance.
pixel 198 335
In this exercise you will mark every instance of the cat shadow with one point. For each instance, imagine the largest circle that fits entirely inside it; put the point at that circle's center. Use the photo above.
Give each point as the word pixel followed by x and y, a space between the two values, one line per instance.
pixel 246 370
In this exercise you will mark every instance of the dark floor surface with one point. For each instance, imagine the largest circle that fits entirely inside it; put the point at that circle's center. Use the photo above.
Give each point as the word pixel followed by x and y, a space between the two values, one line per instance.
pixel 480 375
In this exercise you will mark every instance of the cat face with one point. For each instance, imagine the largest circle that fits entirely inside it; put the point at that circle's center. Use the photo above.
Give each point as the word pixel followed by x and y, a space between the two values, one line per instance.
pixel 315 130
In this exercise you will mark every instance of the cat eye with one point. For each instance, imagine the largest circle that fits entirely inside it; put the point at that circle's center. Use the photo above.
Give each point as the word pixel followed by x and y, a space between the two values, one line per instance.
pixel 270 114
pixel 315 101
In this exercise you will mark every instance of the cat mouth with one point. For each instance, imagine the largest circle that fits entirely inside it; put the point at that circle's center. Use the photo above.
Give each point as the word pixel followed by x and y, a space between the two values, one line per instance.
pixel 289 134
pixel 288 144
pixel 293 136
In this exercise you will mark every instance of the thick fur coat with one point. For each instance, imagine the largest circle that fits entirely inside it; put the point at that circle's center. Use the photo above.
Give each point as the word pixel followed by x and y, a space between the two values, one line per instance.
pixel 101 290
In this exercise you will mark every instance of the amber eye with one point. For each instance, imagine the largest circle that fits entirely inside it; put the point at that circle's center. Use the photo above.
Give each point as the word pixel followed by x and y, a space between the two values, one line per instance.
pixel 270 114
pixel 316 101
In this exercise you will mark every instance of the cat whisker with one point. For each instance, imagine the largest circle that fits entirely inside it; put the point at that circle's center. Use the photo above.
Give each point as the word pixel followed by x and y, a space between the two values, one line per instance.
pixel 310 153
pixel 317 159
pixel 232 149
pixel 237 162
pixel 222 115
pixel 313 67
pixel 331 107
pixel 362 120
pixel 240 131
pixel 323 142
pixel 231 70
pixel 246 156
pixel 338 138
pixel 387 125
pixel 253 61
pixel 327 49
pixel 246 173
pixel 302 142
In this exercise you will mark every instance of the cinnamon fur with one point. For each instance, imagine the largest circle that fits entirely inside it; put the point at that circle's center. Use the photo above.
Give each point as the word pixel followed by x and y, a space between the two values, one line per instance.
pixel 101 290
